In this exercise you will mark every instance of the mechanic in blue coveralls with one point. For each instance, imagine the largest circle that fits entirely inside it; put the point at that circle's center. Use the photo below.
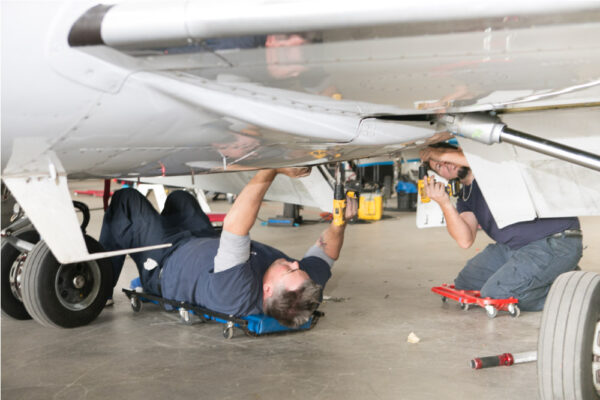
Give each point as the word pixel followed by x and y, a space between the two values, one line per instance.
pixel 230 274
pixel 527 256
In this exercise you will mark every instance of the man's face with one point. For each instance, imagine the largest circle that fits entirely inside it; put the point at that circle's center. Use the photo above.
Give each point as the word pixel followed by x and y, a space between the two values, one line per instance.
pixel 287 273
pixel 445 169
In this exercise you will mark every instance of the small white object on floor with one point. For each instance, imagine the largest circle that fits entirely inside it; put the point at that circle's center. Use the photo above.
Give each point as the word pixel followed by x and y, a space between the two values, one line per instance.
pixel 412 338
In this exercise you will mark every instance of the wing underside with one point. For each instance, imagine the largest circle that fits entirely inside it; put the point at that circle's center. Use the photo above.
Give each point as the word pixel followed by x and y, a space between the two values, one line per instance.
pixel 186 93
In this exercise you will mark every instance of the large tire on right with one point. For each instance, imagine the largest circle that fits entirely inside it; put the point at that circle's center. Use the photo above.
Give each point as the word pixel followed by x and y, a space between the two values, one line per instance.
pixel 12 261
pixel 566 338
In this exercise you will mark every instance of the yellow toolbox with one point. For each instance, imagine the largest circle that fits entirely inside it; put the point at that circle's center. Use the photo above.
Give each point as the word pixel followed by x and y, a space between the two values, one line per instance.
pixel 370 206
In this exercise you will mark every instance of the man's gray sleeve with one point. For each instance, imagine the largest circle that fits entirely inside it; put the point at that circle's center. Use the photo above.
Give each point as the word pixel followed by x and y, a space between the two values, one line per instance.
pixel 317 251
pixel 233 250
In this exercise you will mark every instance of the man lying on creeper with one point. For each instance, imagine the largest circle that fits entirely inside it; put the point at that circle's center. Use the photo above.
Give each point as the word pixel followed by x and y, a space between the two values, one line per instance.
pixel 231 274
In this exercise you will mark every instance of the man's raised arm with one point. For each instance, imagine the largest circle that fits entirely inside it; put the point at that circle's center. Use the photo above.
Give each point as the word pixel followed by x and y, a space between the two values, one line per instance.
pixel 244 211
pixel 332 239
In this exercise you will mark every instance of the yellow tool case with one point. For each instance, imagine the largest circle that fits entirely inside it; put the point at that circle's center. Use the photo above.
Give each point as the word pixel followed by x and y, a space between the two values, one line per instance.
pixel 370 206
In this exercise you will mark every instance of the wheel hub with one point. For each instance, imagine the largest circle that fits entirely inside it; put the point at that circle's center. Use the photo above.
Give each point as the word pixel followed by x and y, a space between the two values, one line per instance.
pixel 79 281
pixel 77 285
pixel 14 277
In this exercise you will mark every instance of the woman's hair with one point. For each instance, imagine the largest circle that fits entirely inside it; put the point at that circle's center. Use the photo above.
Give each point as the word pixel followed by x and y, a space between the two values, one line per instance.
pixel 463 171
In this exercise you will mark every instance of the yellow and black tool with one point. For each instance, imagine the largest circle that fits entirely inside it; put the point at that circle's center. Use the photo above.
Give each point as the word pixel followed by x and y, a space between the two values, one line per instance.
pixel 339 196
pixel 421 183
pixel 453 187
pixel 339 204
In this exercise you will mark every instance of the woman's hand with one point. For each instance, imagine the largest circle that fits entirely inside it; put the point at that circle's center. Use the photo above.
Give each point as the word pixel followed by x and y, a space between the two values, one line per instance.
pixel 436 191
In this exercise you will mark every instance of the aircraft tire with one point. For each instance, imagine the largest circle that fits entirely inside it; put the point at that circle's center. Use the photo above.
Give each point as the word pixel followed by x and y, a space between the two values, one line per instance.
pixel 65 295
pixel 571 312
pixel 9 256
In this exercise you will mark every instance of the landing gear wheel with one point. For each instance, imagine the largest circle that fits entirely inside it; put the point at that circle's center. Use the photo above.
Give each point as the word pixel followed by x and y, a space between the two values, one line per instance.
pixel 514 310
pixel 12 261
pixel 228 331
pixel 444 299
pixel 491 311
pixel 136 304
pixel 465 306
pixel 566 338
pixel 65 295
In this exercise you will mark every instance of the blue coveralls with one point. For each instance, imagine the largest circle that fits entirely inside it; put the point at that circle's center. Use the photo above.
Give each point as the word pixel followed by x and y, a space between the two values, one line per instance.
pixel 131 221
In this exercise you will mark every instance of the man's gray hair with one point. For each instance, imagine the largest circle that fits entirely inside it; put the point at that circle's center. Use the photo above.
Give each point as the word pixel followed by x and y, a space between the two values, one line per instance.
pixel 293 308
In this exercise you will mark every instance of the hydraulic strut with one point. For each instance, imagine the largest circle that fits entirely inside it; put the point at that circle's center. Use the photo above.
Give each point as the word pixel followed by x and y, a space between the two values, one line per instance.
pixel 487 129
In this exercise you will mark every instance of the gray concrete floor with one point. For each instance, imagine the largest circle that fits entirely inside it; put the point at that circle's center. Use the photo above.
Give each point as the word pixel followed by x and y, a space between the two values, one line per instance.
pixel 380 293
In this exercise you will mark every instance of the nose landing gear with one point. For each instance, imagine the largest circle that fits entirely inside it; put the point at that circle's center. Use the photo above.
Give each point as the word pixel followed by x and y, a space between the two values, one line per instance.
pixel 35 285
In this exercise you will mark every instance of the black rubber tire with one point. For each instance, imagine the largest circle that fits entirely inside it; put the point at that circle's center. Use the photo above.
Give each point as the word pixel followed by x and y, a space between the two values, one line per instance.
pixel 564 365
pixel 11 305
pixel 39 288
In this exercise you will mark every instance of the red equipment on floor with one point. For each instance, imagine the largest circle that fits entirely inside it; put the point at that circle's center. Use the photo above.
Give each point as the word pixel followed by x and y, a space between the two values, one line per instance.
pixel 468 297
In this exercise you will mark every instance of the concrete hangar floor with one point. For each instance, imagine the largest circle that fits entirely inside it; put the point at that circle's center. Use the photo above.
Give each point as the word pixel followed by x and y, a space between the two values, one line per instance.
pixel 378 295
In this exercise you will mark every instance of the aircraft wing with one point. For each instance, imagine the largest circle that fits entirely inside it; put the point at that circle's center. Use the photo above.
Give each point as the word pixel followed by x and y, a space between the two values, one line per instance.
pixel 137 89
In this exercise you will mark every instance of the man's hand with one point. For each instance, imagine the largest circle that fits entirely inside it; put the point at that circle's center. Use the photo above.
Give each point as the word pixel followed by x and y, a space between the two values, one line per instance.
pixel 351 208
pixel 294 172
